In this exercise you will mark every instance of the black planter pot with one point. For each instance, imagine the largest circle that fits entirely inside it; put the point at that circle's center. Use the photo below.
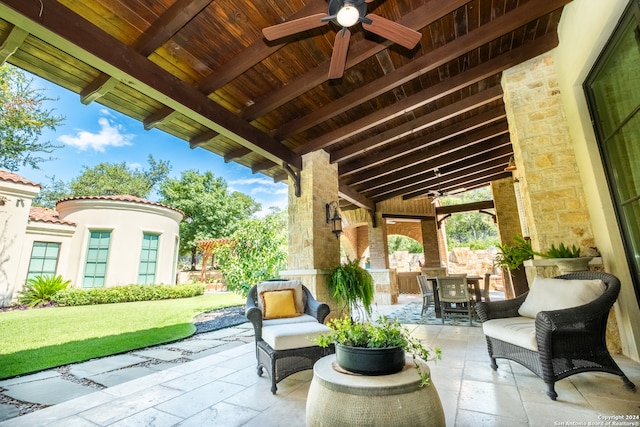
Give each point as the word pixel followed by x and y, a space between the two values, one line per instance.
pixel 370 361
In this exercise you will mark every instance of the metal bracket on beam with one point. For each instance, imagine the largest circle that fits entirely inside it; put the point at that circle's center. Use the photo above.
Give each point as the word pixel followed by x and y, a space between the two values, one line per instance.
pixel 295 177
pixel 442 219
pixel 491 214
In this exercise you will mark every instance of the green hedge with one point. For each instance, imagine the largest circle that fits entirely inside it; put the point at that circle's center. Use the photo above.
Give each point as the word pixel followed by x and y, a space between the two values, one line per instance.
pixel 130 293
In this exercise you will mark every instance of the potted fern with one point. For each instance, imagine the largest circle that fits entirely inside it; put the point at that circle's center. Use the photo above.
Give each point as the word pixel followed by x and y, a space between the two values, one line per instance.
pixel 511 259
pixel 352 287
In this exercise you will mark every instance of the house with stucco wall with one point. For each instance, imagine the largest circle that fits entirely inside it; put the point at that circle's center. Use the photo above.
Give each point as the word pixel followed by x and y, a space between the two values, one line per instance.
pixel 94 241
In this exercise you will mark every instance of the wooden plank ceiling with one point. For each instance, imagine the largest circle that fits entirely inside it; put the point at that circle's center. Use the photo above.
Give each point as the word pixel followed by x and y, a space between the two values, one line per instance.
pixel 398 123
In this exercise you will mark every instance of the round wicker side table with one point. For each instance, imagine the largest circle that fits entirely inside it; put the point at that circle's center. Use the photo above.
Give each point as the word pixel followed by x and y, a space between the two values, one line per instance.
pixel 337 398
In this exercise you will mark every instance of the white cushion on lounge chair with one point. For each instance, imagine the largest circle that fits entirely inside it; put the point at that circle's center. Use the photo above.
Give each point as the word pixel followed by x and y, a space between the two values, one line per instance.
pixel 305 318
pixel 520 331
pixel 287 336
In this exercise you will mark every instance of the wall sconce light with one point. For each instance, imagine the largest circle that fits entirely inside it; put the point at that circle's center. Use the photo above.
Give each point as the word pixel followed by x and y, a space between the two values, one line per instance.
pixel 511 166
pixel 335 219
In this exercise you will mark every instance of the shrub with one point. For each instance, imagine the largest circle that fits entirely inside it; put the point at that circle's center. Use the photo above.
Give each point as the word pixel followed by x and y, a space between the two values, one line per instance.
pixel 131 293
pixel 41 290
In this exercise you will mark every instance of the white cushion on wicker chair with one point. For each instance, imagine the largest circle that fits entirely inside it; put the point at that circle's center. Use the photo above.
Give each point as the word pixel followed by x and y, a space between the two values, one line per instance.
pixel 288 336
pixel 305 318
pixel 557 294
pixel 520 331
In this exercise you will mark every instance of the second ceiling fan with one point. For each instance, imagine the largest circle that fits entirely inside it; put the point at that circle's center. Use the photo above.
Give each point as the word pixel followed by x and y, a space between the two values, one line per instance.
pixel 346 13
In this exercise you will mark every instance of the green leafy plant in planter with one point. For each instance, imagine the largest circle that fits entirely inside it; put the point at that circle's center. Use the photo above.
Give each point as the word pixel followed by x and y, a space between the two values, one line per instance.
pixel 561 251
pixel 387 336
pixel 568 259
pixel 352 286
pixel 511 257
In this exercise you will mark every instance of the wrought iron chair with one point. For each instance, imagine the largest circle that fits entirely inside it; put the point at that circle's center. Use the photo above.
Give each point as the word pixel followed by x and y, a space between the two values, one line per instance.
pixel 426 289
pixel 453 293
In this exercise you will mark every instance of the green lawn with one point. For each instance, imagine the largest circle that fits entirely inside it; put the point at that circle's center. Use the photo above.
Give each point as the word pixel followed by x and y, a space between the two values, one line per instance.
pixel 32 340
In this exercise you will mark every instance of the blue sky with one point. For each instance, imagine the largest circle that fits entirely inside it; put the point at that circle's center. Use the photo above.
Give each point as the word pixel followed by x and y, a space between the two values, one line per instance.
pixel 94 133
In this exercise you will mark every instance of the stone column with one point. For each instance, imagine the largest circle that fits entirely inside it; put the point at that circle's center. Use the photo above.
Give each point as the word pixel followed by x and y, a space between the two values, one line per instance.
pixel 386 291
pixel 508 217
pixel 429 228
pixel 554 199
pixel 313 248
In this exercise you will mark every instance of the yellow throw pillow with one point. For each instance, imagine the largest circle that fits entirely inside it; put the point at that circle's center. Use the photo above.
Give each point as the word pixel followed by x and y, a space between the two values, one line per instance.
pixel 278 304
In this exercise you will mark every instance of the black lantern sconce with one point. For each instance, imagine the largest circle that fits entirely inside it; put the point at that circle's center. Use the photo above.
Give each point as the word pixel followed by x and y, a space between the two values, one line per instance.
pixel 335 219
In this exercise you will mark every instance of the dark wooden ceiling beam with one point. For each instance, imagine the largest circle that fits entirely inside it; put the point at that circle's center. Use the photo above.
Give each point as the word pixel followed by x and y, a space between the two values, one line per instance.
pixel 352 196
pixel 445 164
pixel 168 24
pixel 402 147
pixel 105 53
pixel 430 61
pixel 479 179
pixel 261 166
pixel 482 150
pixel 463 172
pixel 14 39
pixel 253 54
pixel 465 207
pixel 494 66
pixel 236 154
pixel 433 142
pixel 202 139
pixel 161 30
pixel 358 52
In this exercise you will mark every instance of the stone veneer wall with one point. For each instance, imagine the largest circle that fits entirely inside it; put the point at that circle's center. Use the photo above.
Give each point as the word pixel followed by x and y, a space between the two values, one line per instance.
pixel 554 199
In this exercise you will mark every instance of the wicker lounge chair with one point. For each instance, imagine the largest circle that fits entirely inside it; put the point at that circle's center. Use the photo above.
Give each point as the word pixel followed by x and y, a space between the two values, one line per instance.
pixel 569 341
pixel 284 345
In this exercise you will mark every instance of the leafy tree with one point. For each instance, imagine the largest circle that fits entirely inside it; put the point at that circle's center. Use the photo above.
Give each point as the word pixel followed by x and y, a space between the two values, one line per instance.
pixel 473 229
pixel 403 243
pixel 258 251
pixel 22 121
pixel 50 193
pixel 211 212
pixel 110 179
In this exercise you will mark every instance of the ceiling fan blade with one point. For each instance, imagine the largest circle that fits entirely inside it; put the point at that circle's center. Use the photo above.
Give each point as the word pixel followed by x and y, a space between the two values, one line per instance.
pixel 393 31
pixel 339 55
pixel 293 27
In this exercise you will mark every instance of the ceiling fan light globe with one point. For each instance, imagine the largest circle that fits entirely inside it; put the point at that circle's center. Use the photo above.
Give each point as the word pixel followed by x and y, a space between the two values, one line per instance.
pixel 348 15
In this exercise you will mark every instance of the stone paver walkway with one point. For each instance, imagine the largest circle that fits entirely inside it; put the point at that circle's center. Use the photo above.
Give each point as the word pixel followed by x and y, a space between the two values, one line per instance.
pixel 28 393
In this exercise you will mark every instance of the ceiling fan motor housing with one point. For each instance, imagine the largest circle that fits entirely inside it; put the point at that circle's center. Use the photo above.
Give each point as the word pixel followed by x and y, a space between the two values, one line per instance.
pixel 336 5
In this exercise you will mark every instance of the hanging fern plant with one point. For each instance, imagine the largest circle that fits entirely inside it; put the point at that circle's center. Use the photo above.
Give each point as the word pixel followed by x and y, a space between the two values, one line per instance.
pixel 352 287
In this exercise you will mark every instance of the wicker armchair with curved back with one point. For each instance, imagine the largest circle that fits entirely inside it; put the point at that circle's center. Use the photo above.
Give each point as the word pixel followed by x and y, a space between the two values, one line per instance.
pixel 284 344
pixel 565 341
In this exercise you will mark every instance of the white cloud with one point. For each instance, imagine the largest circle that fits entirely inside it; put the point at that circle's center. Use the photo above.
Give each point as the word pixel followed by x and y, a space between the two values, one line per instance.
pixel 108 136
pixel 252 181
pixel 135 166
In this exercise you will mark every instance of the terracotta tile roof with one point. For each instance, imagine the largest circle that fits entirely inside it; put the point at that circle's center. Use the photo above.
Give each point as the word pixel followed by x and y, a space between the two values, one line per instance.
pixel 14 177
pixel 121 198
pixel 47 215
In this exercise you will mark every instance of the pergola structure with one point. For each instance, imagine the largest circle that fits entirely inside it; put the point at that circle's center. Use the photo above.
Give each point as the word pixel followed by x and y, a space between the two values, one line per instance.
pixel 489 81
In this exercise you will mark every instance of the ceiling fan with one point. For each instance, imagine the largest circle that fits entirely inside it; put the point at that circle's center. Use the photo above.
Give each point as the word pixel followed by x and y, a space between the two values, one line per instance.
pixel 437 194
pixel 346 13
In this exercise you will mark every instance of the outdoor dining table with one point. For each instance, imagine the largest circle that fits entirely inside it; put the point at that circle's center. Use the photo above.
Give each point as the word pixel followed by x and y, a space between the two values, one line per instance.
pixel 472 281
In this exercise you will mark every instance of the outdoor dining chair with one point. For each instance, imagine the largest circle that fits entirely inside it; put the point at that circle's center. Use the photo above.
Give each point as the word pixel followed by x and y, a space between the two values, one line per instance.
pixel 453 293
